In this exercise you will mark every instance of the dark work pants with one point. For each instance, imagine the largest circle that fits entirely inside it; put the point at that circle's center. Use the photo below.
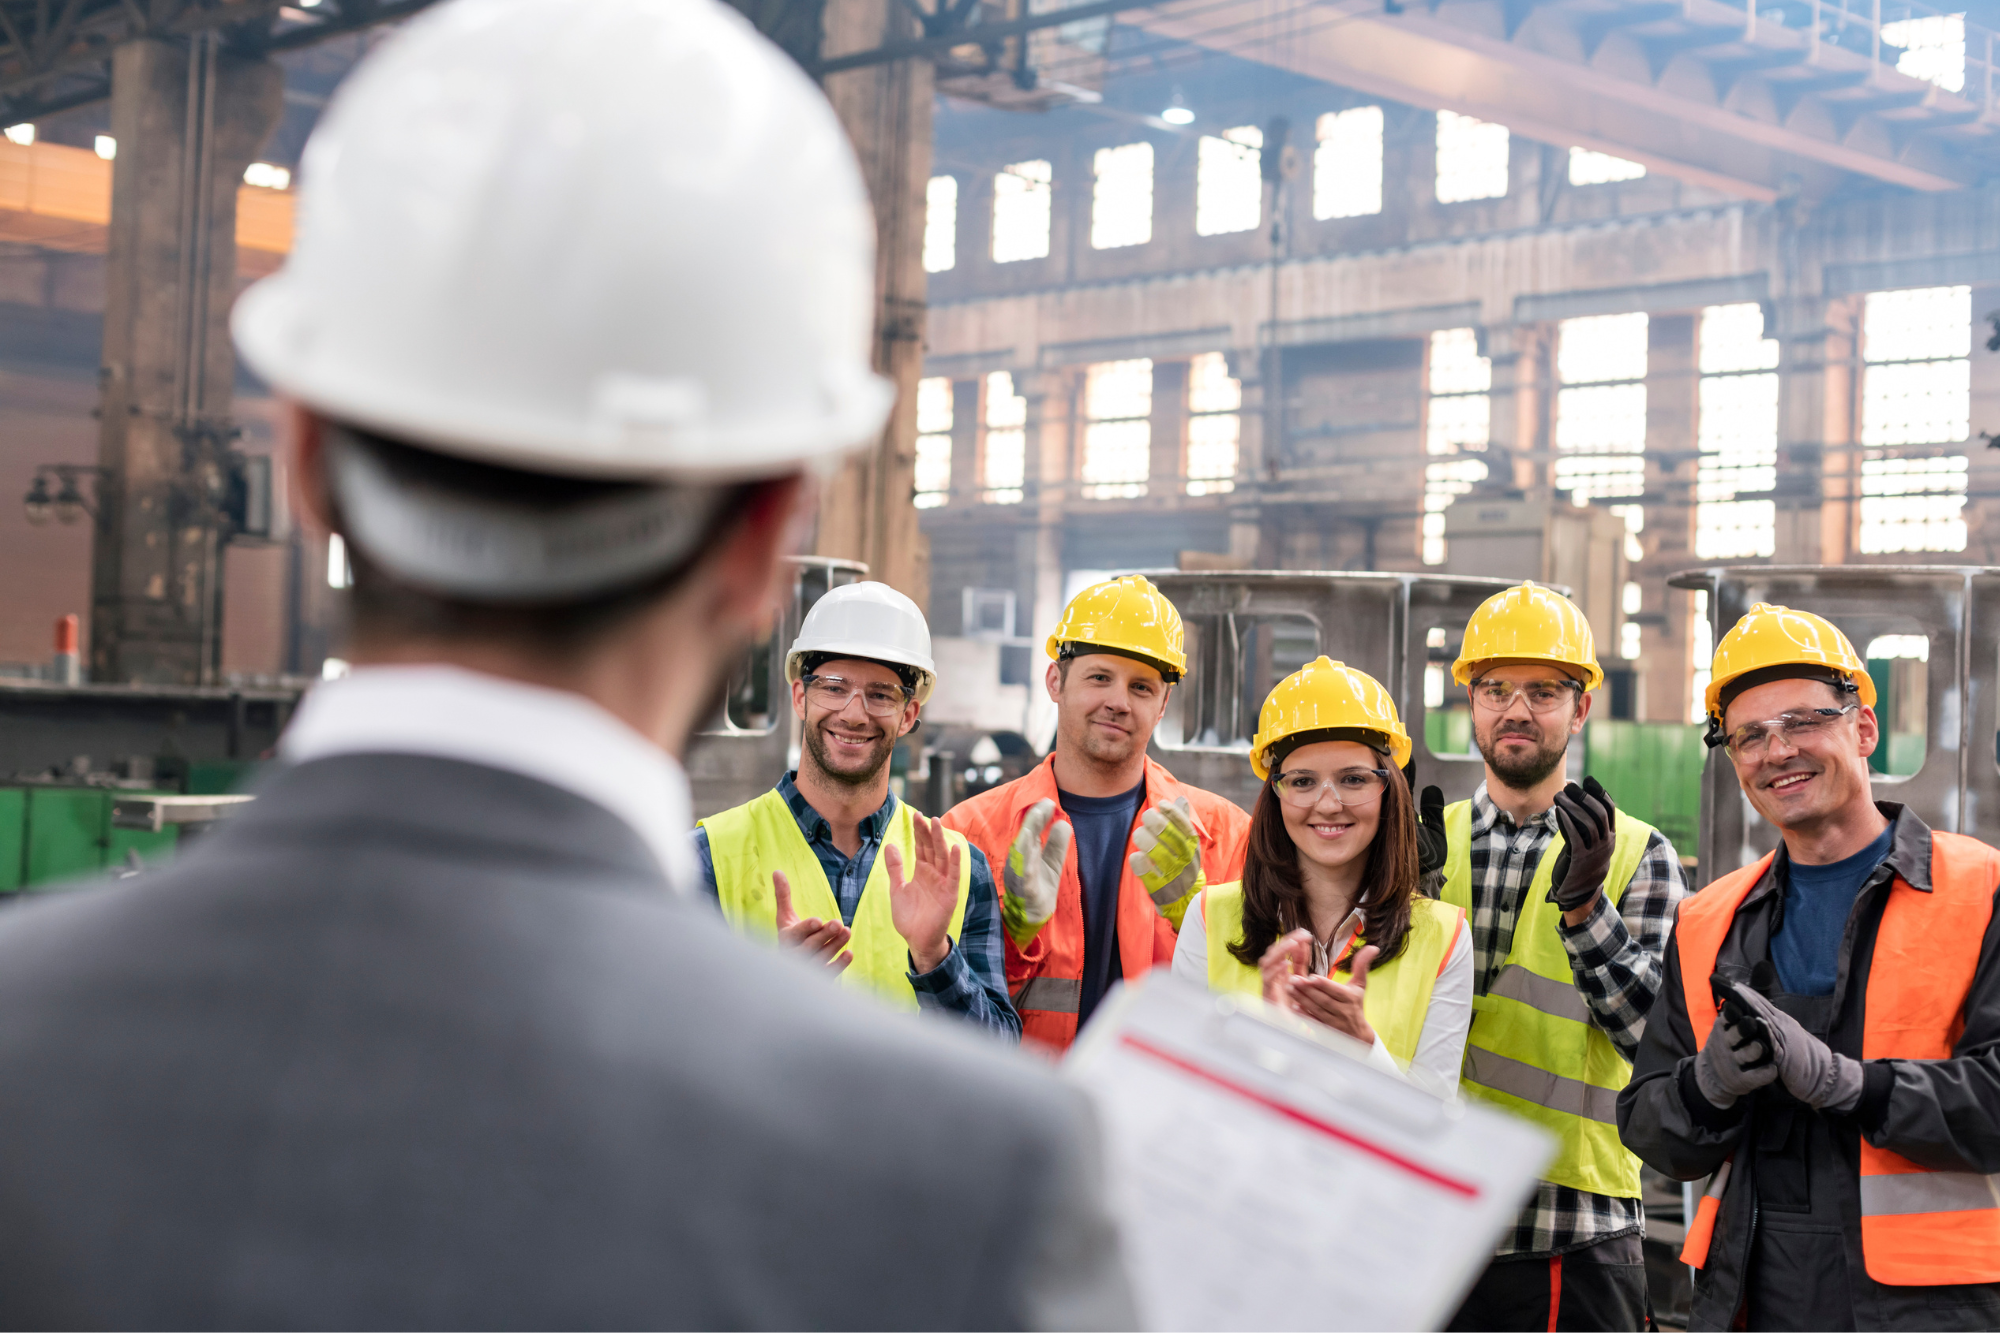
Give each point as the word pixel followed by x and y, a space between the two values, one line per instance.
pixel 1602 1286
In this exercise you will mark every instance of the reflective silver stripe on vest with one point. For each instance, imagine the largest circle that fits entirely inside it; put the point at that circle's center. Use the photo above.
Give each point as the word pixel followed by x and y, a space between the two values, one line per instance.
pixel 1569 1095
pixel 1560 999
pixel 1054 995
pixel 1928 1192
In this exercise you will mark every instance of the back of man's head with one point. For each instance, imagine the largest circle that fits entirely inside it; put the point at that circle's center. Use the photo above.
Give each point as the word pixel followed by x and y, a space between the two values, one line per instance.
pixel 576 281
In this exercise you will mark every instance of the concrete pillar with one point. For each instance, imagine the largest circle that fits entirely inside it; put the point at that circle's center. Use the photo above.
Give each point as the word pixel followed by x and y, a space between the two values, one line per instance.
pixel 188 118
pixel 966 401
pixel 1672 394
pixel 1049 395
pixel 1518 434
pixel 866 511
pixel 1817 486
pixel 1247 538
pixel 1167 463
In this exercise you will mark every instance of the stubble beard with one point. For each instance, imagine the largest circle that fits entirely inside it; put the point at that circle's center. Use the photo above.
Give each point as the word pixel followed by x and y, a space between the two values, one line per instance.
pixel 1523 772
pixel 857 777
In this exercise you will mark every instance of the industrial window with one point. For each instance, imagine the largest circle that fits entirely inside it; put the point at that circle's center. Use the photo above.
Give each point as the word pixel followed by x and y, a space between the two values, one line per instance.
pixel 1592 168
pixel 1121 204
pixel 1021 212
pixel 1229 181
pixel 941 224
pixel 1471 159
pixel 1916 390
pixel 934 409
pixel 1458 419
pixel 1118 429
pixel 1347 165
pixel 1933 48
pixel 339 571
pixel 1215 425
pixel 1601 408
pixel 1737 434
pixel 1630 632
pixel 1003 465
pixel 23 134
pixel 265 176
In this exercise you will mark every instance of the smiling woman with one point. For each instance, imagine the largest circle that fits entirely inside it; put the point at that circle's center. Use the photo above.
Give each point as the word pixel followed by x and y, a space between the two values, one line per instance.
pixel 1327 922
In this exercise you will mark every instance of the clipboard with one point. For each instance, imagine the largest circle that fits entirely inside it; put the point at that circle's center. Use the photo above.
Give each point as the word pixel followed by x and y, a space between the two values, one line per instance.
pixel 1265 1176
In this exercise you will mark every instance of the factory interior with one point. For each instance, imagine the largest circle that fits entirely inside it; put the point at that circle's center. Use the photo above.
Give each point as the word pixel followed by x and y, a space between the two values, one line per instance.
pixel 1333 317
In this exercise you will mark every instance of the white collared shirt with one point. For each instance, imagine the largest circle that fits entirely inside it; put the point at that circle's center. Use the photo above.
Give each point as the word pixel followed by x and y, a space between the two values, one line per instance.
pixel 553 736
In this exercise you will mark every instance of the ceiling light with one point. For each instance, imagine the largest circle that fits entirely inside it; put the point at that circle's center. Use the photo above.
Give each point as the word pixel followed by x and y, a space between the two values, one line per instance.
pixel 1177 112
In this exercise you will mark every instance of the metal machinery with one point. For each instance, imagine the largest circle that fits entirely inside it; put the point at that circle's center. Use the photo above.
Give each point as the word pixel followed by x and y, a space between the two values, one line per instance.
pixel 1931 634
pixel 751 739
pixel 1249 630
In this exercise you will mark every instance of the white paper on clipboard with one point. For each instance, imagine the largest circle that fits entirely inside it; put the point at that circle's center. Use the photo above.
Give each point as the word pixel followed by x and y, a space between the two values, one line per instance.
pixel 1266 1177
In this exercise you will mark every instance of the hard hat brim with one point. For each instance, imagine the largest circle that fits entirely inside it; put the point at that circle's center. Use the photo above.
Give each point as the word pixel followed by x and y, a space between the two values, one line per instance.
pixel 1466 672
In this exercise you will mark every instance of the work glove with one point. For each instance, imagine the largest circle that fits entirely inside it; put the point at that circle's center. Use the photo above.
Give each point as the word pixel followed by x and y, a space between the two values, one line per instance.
pixel 1432 849
pixel 1588 821
pixel 1166 858
pixel 1736 1060
pixel 1807 1066
pixel 1033 874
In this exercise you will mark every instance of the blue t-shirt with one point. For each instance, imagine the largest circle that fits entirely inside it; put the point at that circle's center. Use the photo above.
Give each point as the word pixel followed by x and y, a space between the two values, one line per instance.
pixel 1818 901
pixel 1103 828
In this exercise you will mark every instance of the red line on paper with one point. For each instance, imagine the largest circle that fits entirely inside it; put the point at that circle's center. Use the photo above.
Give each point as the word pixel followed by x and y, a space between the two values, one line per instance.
pixel 1293 1114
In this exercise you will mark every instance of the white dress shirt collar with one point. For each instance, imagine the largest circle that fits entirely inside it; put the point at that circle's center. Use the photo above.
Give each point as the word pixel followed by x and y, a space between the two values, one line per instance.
pixel 550 735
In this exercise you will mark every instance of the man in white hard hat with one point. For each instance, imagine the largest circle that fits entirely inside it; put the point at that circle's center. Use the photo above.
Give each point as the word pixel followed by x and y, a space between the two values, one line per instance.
pixel 830 861
pixel 433 1035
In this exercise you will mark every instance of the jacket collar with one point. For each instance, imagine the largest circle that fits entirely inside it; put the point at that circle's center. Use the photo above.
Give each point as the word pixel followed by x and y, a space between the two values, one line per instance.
pixel 1909 852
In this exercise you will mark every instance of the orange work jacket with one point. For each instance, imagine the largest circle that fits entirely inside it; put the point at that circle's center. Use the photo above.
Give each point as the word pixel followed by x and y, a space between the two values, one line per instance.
pixel 1919 1228
pixel 1046 979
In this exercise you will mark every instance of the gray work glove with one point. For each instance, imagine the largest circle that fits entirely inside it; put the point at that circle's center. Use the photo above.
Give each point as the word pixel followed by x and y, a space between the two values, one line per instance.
pixel 1735 1061
pixel 1808 1067
pixel 1588 821
pixel 1032 875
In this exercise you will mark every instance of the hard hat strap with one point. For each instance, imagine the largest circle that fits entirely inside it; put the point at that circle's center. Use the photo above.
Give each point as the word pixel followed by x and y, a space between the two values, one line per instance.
pixel 1839 680
pixel 1075 648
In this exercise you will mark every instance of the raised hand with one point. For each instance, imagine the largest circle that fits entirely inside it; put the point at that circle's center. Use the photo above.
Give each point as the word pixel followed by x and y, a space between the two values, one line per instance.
pixel 1589 823
pixel 921 906
pixel 1166 858
pixel 823 940
pixel 1288 958
pixel 1033 874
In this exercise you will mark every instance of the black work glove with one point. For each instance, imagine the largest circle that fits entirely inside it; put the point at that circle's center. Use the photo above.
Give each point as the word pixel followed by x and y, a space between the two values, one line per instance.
pixel 1588 821
pixel 1431 846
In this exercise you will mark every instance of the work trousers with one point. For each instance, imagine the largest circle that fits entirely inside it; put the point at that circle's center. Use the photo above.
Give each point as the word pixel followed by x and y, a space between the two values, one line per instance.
pixel 1600 1287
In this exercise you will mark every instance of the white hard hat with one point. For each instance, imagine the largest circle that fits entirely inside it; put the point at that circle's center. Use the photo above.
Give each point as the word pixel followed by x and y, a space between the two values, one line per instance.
pixel 623 239
pixel 870 621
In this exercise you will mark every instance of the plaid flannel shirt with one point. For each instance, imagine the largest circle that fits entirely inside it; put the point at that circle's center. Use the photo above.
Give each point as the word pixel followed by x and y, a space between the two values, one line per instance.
pixel 971 982
pixel 1616 956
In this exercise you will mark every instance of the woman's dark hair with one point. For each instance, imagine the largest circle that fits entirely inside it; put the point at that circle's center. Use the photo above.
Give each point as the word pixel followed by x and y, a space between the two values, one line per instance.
pixel 1274 895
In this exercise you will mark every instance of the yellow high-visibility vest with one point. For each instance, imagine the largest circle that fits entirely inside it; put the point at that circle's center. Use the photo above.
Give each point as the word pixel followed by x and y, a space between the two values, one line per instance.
pixel 1399 991
pixel 749 842
pixel 1533 1048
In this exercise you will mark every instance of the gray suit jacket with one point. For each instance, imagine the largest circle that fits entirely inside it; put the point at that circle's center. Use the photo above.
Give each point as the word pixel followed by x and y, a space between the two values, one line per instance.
pixel 418 1043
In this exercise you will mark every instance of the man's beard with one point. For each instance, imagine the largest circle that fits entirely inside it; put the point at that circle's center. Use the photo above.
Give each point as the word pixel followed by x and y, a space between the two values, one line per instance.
pixel 1104 749
pixel 1522 771
pixel 860 777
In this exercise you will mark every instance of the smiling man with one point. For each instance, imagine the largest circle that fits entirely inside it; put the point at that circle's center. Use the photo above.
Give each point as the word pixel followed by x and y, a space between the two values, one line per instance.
pixel 830 861
pixel 1847 1094
pixel 1145 843
pixel 1570 901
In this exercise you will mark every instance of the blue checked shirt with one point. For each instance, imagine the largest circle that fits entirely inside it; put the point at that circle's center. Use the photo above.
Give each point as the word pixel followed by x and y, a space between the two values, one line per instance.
pixel 972 980
pixel 1616 958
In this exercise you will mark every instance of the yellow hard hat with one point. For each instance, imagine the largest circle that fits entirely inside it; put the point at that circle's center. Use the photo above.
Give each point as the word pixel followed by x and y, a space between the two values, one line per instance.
pixel 1325 695
pixel 1777 636
pixel 1529 623
pixel 1128 616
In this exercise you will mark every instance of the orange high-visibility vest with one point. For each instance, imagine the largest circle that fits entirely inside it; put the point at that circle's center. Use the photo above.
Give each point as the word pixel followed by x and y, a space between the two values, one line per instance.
pixel 1046 979
pixel 1919 1228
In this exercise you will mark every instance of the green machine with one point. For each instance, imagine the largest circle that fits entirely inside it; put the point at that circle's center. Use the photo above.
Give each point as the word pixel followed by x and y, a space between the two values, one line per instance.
pixel 53 834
